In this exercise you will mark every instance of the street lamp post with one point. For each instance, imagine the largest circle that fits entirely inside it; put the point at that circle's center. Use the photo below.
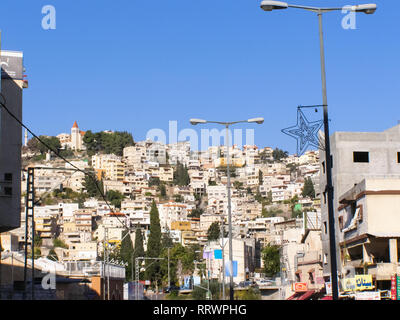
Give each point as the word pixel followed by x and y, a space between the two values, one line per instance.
pixel 227 124
pixel 137 271
pixel 368 9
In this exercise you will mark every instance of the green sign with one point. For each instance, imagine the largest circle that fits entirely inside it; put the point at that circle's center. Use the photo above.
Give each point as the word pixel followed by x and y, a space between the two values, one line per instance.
pixel 398 287
pixel 297 207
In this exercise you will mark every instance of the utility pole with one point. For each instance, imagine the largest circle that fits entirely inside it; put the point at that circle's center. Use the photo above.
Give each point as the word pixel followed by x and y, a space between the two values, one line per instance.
pixel 104 264
pixel 223 257
pixel 29 208
pixel 169 279
pixel 231 293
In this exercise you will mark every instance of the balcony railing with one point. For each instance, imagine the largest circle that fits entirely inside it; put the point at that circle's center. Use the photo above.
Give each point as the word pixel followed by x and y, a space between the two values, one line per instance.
pixel 310 257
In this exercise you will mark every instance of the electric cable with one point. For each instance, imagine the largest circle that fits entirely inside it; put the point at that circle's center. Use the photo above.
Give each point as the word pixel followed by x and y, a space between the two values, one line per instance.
pixel 63 158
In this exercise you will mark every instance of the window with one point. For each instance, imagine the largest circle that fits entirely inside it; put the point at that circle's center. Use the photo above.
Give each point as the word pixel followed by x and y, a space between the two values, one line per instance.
pixel 360 156
pixel 8 177
pixel 398 157
pixel 325 228
pixel 323 166
pixel 7 191
pixel 311 277
pixel 325 258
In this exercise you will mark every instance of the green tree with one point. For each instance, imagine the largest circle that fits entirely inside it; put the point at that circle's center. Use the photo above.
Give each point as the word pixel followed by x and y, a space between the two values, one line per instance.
pixel 269 197
pixel 238 184
pixel 36 146
pixel 196 213
pixel 154 181
pixel 213 232
pixel 92 185
pixel 178 198
pixel 108 143
pixel 139 249
pixel 126 253
pixel 114 197
pixel 308 189
pixel 58 243
pixel 178 256
pixel 181 175
pixel 249 294
pixel 271 258
pixel 163 191
pixel 89 140
pixel 154 245
pixel 260 177
pixel 166 240
pixel 200 294
pixel 279 154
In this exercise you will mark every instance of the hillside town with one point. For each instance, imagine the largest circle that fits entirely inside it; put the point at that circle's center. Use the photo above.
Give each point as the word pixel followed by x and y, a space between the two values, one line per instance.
pixel 276 209
pixel 189 191
pixel 89 211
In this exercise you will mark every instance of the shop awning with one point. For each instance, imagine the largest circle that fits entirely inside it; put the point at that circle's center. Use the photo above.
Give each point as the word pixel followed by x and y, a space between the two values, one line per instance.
pixel 306 295
pixel 301 295
pixel 327 298
pixel 294 296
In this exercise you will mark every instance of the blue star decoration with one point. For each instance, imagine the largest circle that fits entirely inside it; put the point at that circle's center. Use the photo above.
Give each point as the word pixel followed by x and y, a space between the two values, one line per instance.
pixel 305 132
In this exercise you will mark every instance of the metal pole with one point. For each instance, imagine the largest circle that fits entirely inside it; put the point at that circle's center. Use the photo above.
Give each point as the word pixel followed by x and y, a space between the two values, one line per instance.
pixel 26 233
pixel 137 277
pixel 32 170
pixel 328 162
pixel 169 280
pixel 108 268
pixel 229 215
pixel 104 265
pixel 223 258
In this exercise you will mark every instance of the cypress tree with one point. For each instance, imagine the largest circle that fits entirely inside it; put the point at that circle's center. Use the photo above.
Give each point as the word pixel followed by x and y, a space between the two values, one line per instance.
pixel 153 245
pixel 308 189
pixel 126 252
pixel 139 249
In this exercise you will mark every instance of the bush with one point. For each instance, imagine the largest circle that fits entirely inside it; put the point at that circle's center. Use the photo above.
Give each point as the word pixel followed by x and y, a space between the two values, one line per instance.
pixel 200 294
pixel 249 294
pixel 59 243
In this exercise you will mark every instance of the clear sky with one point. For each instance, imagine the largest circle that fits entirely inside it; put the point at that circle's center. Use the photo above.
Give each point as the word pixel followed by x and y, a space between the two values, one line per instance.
pixel 133 65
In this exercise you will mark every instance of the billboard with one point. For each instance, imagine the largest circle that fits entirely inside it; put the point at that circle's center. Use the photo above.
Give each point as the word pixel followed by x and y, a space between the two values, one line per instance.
pixel 218 254
pixel 368 295
pixel 11 65
pixel 299 287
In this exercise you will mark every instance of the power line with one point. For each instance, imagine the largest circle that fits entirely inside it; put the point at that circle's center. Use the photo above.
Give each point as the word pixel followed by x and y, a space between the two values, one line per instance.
pixel 61 157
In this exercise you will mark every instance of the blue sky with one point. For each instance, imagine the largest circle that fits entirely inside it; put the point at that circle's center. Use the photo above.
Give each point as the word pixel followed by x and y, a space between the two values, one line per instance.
pixel 136 64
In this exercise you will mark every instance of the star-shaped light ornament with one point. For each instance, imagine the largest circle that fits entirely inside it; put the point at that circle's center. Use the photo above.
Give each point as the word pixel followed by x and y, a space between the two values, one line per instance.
pixel 305 132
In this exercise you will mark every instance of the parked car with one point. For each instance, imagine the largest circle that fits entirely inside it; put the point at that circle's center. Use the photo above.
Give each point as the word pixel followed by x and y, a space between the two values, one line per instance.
pixel 245 284
pixel 170 289
pixel 265 282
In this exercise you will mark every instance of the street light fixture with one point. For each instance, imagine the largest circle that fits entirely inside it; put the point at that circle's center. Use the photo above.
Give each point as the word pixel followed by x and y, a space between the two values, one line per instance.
pixel 268 5
pixel 227 124
pixel 273 5
pixel 367 9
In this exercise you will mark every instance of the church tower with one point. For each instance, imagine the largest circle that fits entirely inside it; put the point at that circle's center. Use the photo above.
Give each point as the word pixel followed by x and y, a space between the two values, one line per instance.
pixel 76 138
